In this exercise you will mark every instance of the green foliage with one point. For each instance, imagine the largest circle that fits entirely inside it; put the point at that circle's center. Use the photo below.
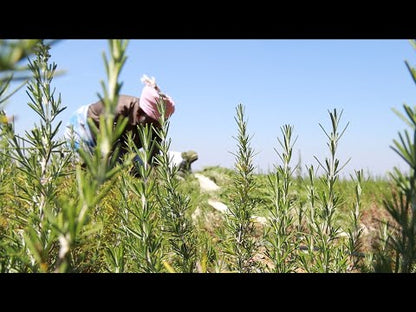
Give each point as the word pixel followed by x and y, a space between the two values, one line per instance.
pixel 239 224
pixel 174 206
pixel 102 164
pixel 141 247
pixel 400 239
pixel 41 165
pixel 280 235
pixel 325 250
pixel 56 216
pixel 12 53
pixel 355 231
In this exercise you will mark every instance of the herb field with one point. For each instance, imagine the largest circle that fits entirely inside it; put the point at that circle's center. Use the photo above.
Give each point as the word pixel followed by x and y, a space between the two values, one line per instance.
pixel 59 216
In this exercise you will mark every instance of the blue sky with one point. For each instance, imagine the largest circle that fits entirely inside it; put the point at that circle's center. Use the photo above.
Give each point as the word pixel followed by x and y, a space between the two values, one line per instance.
pixel 279 82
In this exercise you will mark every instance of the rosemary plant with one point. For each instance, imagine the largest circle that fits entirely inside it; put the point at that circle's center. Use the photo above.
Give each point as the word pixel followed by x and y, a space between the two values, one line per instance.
pixel 174 206
pixel 239 223
pixel 400 237
pixel 101 166
pixel 41 164
pixel 324 253
pixel 281 235
pixel 140 215
pixel 355 232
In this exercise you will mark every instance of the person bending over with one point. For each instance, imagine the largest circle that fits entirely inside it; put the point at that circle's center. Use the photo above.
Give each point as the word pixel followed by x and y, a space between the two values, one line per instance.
pixel 139 111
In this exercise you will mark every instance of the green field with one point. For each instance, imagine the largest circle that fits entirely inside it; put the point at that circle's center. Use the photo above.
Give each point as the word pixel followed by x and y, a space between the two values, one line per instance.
pixel 57 215
pixel 102 232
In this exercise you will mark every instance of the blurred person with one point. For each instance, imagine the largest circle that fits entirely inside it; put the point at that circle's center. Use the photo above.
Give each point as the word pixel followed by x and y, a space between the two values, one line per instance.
pixel 139 111
pixel 182 160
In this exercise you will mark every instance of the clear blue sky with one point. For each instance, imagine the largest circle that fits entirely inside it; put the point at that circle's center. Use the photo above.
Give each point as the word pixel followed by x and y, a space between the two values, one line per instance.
pixel 278 81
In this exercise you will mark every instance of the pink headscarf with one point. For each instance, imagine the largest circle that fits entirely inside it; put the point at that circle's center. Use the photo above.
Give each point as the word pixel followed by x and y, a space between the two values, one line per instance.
pixel 148 103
